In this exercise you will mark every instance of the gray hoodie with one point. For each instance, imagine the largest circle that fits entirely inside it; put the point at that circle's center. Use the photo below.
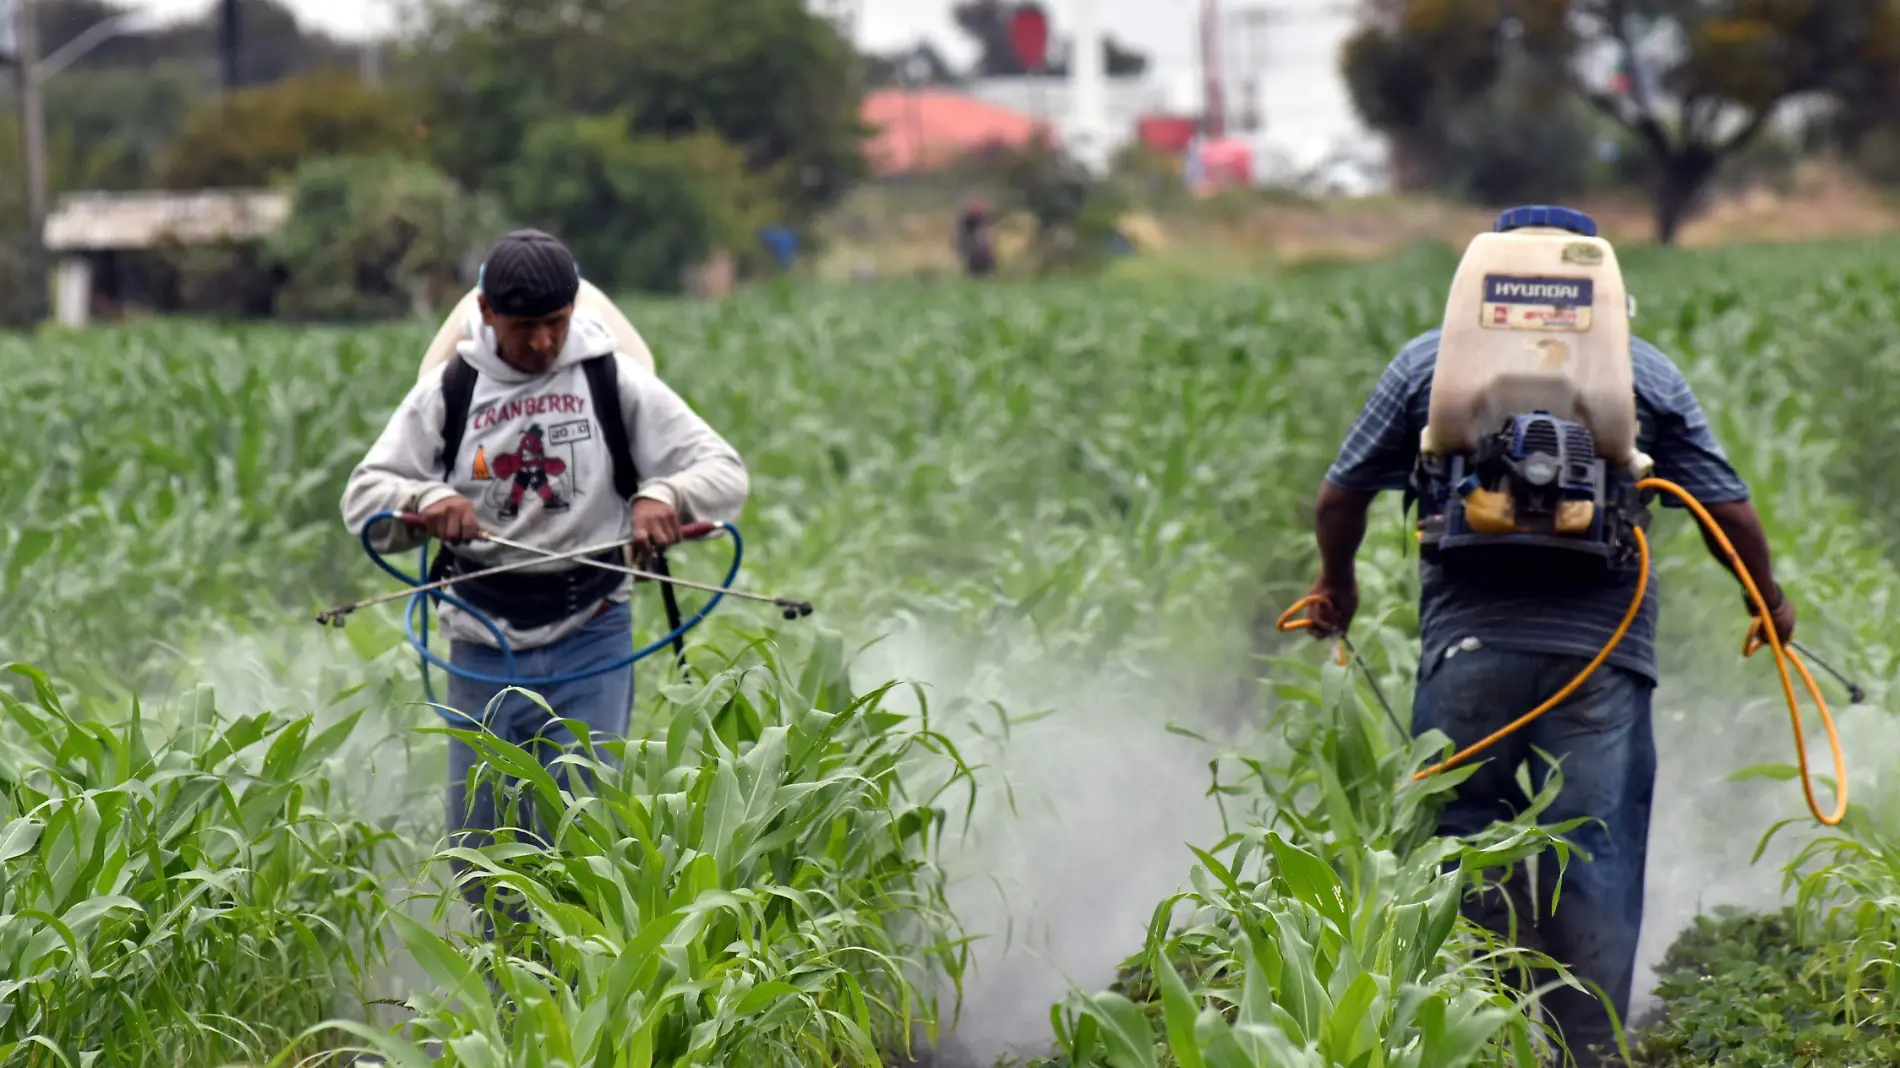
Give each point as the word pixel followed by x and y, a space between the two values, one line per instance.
pixel 520 422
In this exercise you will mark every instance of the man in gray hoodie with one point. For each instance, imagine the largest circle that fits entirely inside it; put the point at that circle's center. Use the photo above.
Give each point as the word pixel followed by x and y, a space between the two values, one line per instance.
pixel 505 438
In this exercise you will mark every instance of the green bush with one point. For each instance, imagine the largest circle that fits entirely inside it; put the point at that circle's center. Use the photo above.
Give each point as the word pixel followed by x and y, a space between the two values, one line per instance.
pixel 260 136
pixel 377 237
pixel 1507 149
pixel 111 128
pixel 1877 156
pixel 23 287
pixel 228 280
pixel 1075 212
pixel 639 212
pixel 773 77
pixel 1744 990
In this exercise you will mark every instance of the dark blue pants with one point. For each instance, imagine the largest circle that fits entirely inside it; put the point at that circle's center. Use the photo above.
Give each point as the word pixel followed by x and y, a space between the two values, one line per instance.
pixel 1601 735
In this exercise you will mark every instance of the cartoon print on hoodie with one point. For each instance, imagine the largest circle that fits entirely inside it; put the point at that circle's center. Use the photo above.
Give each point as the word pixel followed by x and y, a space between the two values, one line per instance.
pixel 529 467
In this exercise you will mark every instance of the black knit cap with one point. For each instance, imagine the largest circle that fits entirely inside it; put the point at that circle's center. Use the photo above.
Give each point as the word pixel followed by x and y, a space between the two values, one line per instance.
pixel 529 274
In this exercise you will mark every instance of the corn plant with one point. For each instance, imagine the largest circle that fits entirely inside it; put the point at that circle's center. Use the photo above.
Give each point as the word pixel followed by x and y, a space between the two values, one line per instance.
pixel 751 886
pixel 1325 928
pixel 177 899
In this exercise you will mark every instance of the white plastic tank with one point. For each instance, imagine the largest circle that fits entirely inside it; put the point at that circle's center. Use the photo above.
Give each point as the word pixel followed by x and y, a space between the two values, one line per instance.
pixel 1537 320
pixel 590 301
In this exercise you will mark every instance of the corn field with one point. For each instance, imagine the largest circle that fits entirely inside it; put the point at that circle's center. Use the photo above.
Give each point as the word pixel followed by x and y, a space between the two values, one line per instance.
pixel 1013 506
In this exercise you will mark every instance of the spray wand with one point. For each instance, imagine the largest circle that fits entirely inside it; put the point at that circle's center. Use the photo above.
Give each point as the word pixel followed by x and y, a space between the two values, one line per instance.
pixel 793 609
pixel 1855 693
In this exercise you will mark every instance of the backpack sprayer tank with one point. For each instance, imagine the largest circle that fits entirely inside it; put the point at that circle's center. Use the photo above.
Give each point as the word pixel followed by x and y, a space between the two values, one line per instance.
pixel 1528 461
pixel 460 323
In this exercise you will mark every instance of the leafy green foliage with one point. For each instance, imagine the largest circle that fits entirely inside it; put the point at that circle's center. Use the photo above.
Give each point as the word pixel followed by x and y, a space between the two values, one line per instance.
pixel 1075 212
pixel 771 77
pixel 108 129
pixel 1416 65
pixel 185 896
pixel 637 213
pixel 1755 991
pixel 378 237
pixel 277 44
pixel 260 136
pixel 748 885
pixel 1516 144
pixel 1345 949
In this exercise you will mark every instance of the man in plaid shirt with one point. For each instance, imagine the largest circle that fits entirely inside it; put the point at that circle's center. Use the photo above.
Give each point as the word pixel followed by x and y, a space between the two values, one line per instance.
pixel 1488 656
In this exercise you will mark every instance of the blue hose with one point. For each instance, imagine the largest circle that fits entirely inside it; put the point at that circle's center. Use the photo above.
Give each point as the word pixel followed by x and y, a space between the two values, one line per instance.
pixel 415 623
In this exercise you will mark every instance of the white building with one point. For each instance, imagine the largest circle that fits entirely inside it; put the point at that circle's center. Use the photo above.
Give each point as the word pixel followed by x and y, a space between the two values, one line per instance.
pixel 1283 91
pixel 1281 67
pixel 99 237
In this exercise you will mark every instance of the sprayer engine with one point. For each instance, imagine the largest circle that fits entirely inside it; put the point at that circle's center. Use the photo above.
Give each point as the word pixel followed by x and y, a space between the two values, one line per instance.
pixel 1534 503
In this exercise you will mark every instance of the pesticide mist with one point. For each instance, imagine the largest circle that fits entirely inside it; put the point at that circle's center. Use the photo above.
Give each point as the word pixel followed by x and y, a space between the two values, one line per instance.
pixel 1085 807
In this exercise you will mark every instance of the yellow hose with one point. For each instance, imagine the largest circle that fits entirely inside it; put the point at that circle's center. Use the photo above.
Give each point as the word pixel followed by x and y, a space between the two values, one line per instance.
pixel 1761 631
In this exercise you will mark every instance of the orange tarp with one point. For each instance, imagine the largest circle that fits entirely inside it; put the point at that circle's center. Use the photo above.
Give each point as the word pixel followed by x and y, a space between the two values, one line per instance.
pixel 928 128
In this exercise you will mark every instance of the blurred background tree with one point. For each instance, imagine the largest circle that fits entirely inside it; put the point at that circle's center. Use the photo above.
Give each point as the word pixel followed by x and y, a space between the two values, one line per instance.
pixel 1690 84
pixel 260 136
pixel 769 77
pixel 639 211
pixel 377 237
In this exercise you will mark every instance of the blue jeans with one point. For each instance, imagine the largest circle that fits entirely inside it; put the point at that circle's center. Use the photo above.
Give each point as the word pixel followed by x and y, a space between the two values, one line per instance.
pixel 1601 735
pixel 603 703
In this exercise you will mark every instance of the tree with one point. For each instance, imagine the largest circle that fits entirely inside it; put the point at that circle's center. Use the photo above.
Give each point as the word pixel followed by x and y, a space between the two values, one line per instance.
pixel 1697 82
pixel 1516 145
pixel 766 76
pixel 259 136
pixel 108 128
pixel 377 237
pixel 1693 82
pixel 1413 66
pixel 638 212
pixel 1076 214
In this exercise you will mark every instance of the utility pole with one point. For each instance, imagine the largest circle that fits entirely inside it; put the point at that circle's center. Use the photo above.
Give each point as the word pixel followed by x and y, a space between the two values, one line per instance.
pixel 1089 92
pixel 1253 26
pixel 228 31
pixel 1213 100
pixel 26 41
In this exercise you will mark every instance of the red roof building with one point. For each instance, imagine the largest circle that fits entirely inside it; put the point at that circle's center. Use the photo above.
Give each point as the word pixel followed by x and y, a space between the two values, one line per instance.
pixel 927 129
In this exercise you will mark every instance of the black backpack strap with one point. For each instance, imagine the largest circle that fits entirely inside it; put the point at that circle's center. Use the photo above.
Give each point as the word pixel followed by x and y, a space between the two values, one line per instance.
pixel 458 393
pixel 603 381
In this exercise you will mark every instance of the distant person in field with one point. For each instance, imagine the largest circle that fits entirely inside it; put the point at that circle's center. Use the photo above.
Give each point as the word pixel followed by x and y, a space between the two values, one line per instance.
pixel 1491 653
pixel 539 431
pixel 976 241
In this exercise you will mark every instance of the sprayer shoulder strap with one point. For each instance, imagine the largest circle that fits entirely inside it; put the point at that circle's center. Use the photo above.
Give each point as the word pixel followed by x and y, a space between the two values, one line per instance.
pixel 458 392
pixel 603 381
